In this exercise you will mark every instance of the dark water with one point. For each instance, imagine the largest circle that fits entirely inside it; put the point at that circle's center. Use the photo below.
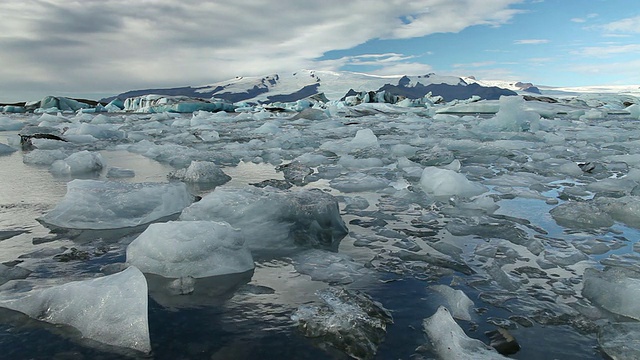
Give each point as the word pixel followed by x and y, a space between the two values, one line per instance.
pixel 251 320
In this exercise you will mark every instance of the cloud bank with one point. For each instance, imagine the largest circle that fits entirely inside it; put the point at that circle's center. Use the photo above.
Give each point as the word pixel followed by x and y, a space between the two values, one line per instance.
pixel 57 46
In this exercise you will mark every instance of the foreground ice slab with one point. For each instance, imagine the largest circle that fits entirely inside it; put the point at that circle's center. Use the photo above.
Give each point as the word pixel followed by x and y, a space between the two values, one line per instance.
pixel 451 343
pixel 614 289
pixel 271 219
pixel 190 248
pixel 620 341
pixel 94 204
pixel 111 309
pixel 349 321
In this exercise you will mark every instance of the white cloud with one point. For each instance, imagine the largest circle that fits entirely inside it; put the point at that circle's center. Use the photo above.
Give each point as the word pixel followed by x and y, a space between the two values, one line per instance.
pixel 584 19
pixel 626 72
pixel 531 41
pixel 115 45
pixel 609 50
pixel 629 25
pixel 475 64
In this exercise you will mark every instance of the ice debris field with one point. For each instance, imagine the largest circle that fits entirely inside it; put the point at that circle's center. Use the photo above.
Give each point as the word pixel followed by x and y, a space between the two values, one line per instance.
pixel 463 230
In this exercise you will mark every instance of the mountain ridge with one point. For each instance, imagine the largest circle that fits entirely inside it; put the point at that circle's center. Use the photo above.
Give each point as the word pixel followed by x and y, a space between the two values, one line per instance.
pixel 334 85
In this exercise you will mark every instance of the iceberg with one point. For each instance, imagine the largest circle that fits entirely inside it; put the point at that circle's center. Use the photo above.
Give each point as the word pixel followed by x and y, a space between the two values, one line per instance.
pixel 197 249
pixel 456 300
pixel 95 204
pixel 614 289
pixel 6 149
pixel 444 182
pixel 201 172
pixel 82 162
pixel 111 309
pixel 270 219
pixel 8 124
pixel 580 215
pixel 450 342
pixel 620 341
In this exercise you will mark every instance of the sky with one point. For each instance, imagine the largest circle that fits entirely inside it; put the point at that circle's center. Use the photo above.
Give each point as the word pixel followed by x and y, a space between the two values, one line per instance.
pixel 97 48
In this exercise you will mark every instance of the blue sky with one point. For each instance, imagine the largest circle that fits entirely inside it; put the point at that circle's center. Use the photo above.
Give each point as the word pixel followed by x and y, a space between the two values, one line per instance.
pixel 96 48
pixel 555 43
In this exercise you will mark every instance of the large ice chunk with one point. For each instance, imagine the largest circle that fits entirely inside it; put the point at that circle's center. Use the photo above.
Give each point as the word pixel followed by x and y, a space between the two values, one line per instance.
pixel 94 204
pixel 511 117
pixel 444 182
pixel 79 163
pixel 349 321
pixel 111 309
pixel 614 289
pixel 625 209
pixel 620 341
pixel 190 248
pixel 6 149
pixel 578 214
pixel 271 219
pixel 8 124
pixel 450 342
pixel 201 172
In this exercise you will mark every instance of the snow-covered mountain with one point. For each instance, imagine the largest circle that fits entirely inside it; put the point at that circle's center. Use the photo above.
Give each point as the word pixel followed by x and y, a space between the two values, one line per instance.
pixel 517 86
pixel 334 85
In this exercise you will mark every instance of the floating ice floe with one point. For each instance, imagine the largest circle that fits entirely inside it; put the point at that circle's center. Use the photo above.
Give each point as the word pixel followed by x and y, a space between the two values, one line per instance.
pixel 450 342
pixel 94 204
pixel 614 289
pixel 332 268
pixel 620 341
pixel 270 219
pixel 201 172
pixel 456 300
pixel 82 162
pixel 6 149
pixel 111 309
pixel 176 104
pixel 348 320
pixel 196 249
pixel 444 182
pixel 580 215
pixel 8 124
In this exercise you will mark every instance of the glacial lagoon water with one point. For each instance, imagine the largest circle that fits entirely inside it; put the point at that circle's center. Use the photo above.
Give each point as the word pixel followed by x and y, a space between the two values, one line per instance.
pixel 533 292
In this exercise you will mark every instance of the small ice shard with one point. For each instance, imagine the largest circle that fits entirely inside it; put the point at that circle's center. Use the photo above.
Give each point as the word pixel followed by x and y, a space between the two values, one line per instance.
pixel 443 182
pixel 93 204
pixel 450 342
pixel 201 172
pixel 620 341
pixel 82 162
pixel 196 249
pixel 110 309
pixel 349 321
pixel 580 215
pixel 456 300
pixel 614 289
